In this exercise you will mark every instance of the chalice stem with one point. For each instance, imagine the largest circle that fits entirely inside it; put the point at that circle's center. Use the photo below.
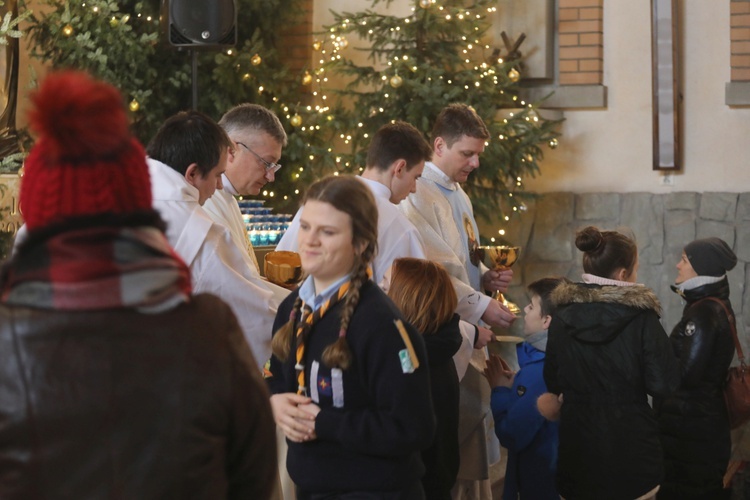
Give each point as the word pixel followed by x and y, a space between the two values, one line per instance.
pixel 506 303
pixel 498 295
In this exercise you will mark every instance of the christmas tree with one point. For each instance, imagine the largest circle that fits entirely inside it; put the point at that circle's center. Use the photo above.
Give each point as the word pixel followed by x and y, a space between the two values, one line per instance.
pixel 420 62
pixel 417 64
pixel 121 43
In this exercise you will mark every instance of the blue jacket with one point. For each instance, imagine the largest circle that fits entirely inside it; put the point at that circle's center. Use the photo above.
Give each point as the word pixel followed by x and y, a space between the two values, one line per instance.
pixel 531 440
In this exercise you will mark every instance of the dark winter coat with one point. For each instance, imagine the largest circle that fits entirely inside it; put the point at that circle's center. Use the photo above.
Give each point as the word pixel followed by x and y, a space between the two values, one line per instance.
pixel 441 458
pixel 693 421
pixel 120 404
pixel 606 352
pixel 531 440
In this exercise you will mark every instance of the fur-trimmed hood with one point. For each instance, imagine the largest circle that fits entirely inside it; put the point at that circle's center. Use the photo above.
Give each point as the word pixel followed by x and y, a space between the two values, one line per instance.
pixel 597 314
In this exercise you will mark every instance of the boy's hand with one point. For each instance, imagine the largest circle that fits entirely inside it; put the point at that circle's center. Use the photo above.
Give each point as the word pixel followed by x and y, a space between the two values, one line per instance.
pixel 498 373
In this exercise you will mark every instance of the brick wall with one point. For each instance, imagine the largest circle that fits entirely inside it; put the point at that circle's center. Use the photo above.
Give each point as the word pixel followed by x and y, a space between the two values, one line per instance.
pixel 581 42
pixel 740 40
pixel 295 44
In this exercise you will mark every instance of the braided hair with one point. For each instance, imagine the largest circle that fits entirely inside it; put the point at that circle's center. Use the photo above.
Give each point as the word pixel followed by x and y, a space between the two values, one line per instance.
pixel 281 341
pixel 346 194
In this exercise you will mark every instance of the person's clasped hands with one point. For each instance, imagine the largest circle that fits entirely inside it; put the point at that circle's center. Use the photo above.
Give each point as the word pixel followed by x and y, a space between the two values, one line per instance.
pixel 295 416
pixel 498 372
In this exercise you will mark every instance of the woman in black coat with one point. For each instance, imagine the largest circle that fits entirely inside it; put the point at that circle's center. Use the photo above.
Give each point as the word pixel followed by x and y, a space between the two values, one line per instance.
pixel 693 422
pixel 606 352
pixel 423 291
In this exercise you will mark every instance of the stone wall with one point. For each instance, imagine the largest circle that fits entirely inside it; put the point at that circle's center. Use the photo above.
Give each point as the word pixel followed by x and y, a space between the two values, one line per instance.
pixel 662 224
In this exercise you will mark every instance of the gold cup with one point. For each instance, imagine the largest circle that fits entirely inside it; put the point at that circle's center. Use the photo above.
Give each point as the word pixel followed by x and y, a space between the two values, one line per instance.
pixel 283 268
pixel 499 258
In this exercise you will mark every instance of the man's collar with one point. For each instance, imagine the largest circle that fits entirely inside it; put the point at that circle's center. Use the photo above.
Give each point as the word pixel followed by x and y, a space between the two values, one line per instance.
pixel 228 187
pixel 167 184
pixel 432 172
pixel 379 190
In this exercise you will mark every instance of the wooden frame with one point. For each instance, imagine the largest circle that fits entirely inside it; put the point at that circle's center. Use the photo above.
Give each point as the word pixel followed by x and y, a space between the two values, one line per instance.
pixel 667 91
pixel 535 19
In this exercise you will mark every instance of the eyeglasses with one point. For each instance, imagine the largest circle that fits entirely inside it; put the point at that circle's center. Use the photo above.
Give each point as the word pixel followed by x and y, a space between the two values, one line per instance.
pixel 270 166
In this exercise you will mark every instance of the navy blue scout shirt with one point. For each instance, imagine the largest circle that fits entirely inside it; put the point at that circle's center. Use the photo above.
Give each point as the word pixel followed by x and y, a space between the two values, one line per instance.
pixel 374 417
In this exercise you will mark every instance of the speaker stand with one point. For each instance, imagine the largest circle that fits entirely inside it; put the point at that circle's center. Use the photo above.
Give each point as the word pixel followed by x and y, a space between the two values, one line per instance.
pixel 194 54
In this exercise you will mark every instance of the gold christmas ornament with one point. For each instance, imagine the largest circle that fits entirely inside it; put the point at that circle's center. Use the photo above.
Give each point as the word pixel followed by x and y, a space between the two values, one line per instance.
pixel 307 78
pixel 134 105
pixel 514 75
pixel 255 60
pixel 425 3
pixel 114 22
pixel 553 143
pixel 396 81
pixel 67 30
pixel 296 120
pixel 317 45
pixel 343 43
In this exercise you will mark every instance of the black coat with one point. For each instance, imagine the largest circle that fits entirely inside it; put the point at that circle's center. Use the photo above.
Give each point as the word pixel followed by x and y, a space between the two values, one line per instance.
pixel 606 352
pixel 693 422
pixel 441 459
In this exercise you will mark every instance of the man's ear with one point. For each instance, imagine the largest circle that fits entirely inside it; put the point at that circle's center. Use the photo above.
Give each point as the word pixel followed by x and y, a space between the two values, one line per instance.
pixel 192 174
pixel 399 167
pixel 439 146
pixel 546 321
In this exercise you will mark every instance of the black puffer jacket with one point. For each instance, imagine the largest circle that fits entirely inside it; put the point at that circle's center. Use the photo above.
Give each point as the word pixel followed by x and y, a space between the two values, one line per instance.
pixel 606 351
pixel 693 422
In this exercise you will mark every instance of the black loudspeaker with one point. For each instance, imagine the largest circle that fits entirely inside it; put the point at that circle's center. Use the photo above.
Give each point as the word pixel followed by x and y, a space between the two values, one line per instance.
pixel 199 24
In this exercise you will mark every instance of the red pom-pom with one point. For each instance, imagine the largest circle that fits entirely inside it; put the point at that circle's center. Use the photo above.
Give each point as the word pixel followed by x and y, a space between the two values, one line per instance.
pixel 78 116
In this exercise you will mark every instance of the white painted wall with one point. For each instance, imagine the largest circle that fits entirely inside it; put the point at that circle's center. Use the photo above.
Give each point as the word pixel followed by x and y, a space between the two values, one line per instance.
pixel 611 149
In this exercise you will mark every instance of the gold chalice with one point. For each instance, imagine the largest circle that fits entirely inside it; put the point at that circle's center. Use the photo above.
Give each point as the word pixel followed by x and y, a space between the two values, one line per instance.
pixel 283 268
pixel 499 258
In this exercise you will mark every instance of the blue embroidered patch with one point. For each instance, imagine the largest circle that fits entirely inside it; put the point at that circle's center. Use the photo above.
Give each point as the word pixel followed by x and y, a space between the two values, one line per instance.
pixel 324 386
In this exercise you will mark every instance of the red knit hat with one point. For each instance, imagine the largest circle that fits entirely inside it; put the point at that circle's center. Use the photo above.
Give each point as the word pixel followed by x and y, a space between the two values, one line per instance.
pixel 85 161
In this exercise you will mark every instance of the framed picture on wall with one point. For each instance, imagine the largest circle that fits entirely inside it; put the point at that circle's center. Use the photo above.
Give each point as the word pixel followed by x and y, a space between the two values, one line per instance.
pixel 667 89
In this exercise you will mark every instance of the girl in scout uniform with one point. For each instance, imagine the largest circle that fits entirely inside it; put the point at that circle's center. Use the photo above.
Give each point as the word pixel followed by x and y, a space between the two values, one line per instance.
pixel 349 375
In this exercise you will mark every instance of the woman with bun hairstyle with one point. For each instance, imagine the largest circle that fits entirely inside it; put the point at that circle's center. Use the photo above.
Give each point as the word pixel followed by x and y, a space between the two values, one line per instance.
pixel 693 422
pixel 606 353
pixel 349 375
pixel 431 310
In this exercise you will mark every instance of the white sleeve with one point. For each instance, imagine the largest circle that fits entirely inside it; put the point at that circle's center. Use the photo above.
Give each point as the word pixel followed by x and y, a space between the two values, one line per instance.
pixel 436 238
pixel 463 356
pixel 288 241
pixel 395 245
pixel 222 269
